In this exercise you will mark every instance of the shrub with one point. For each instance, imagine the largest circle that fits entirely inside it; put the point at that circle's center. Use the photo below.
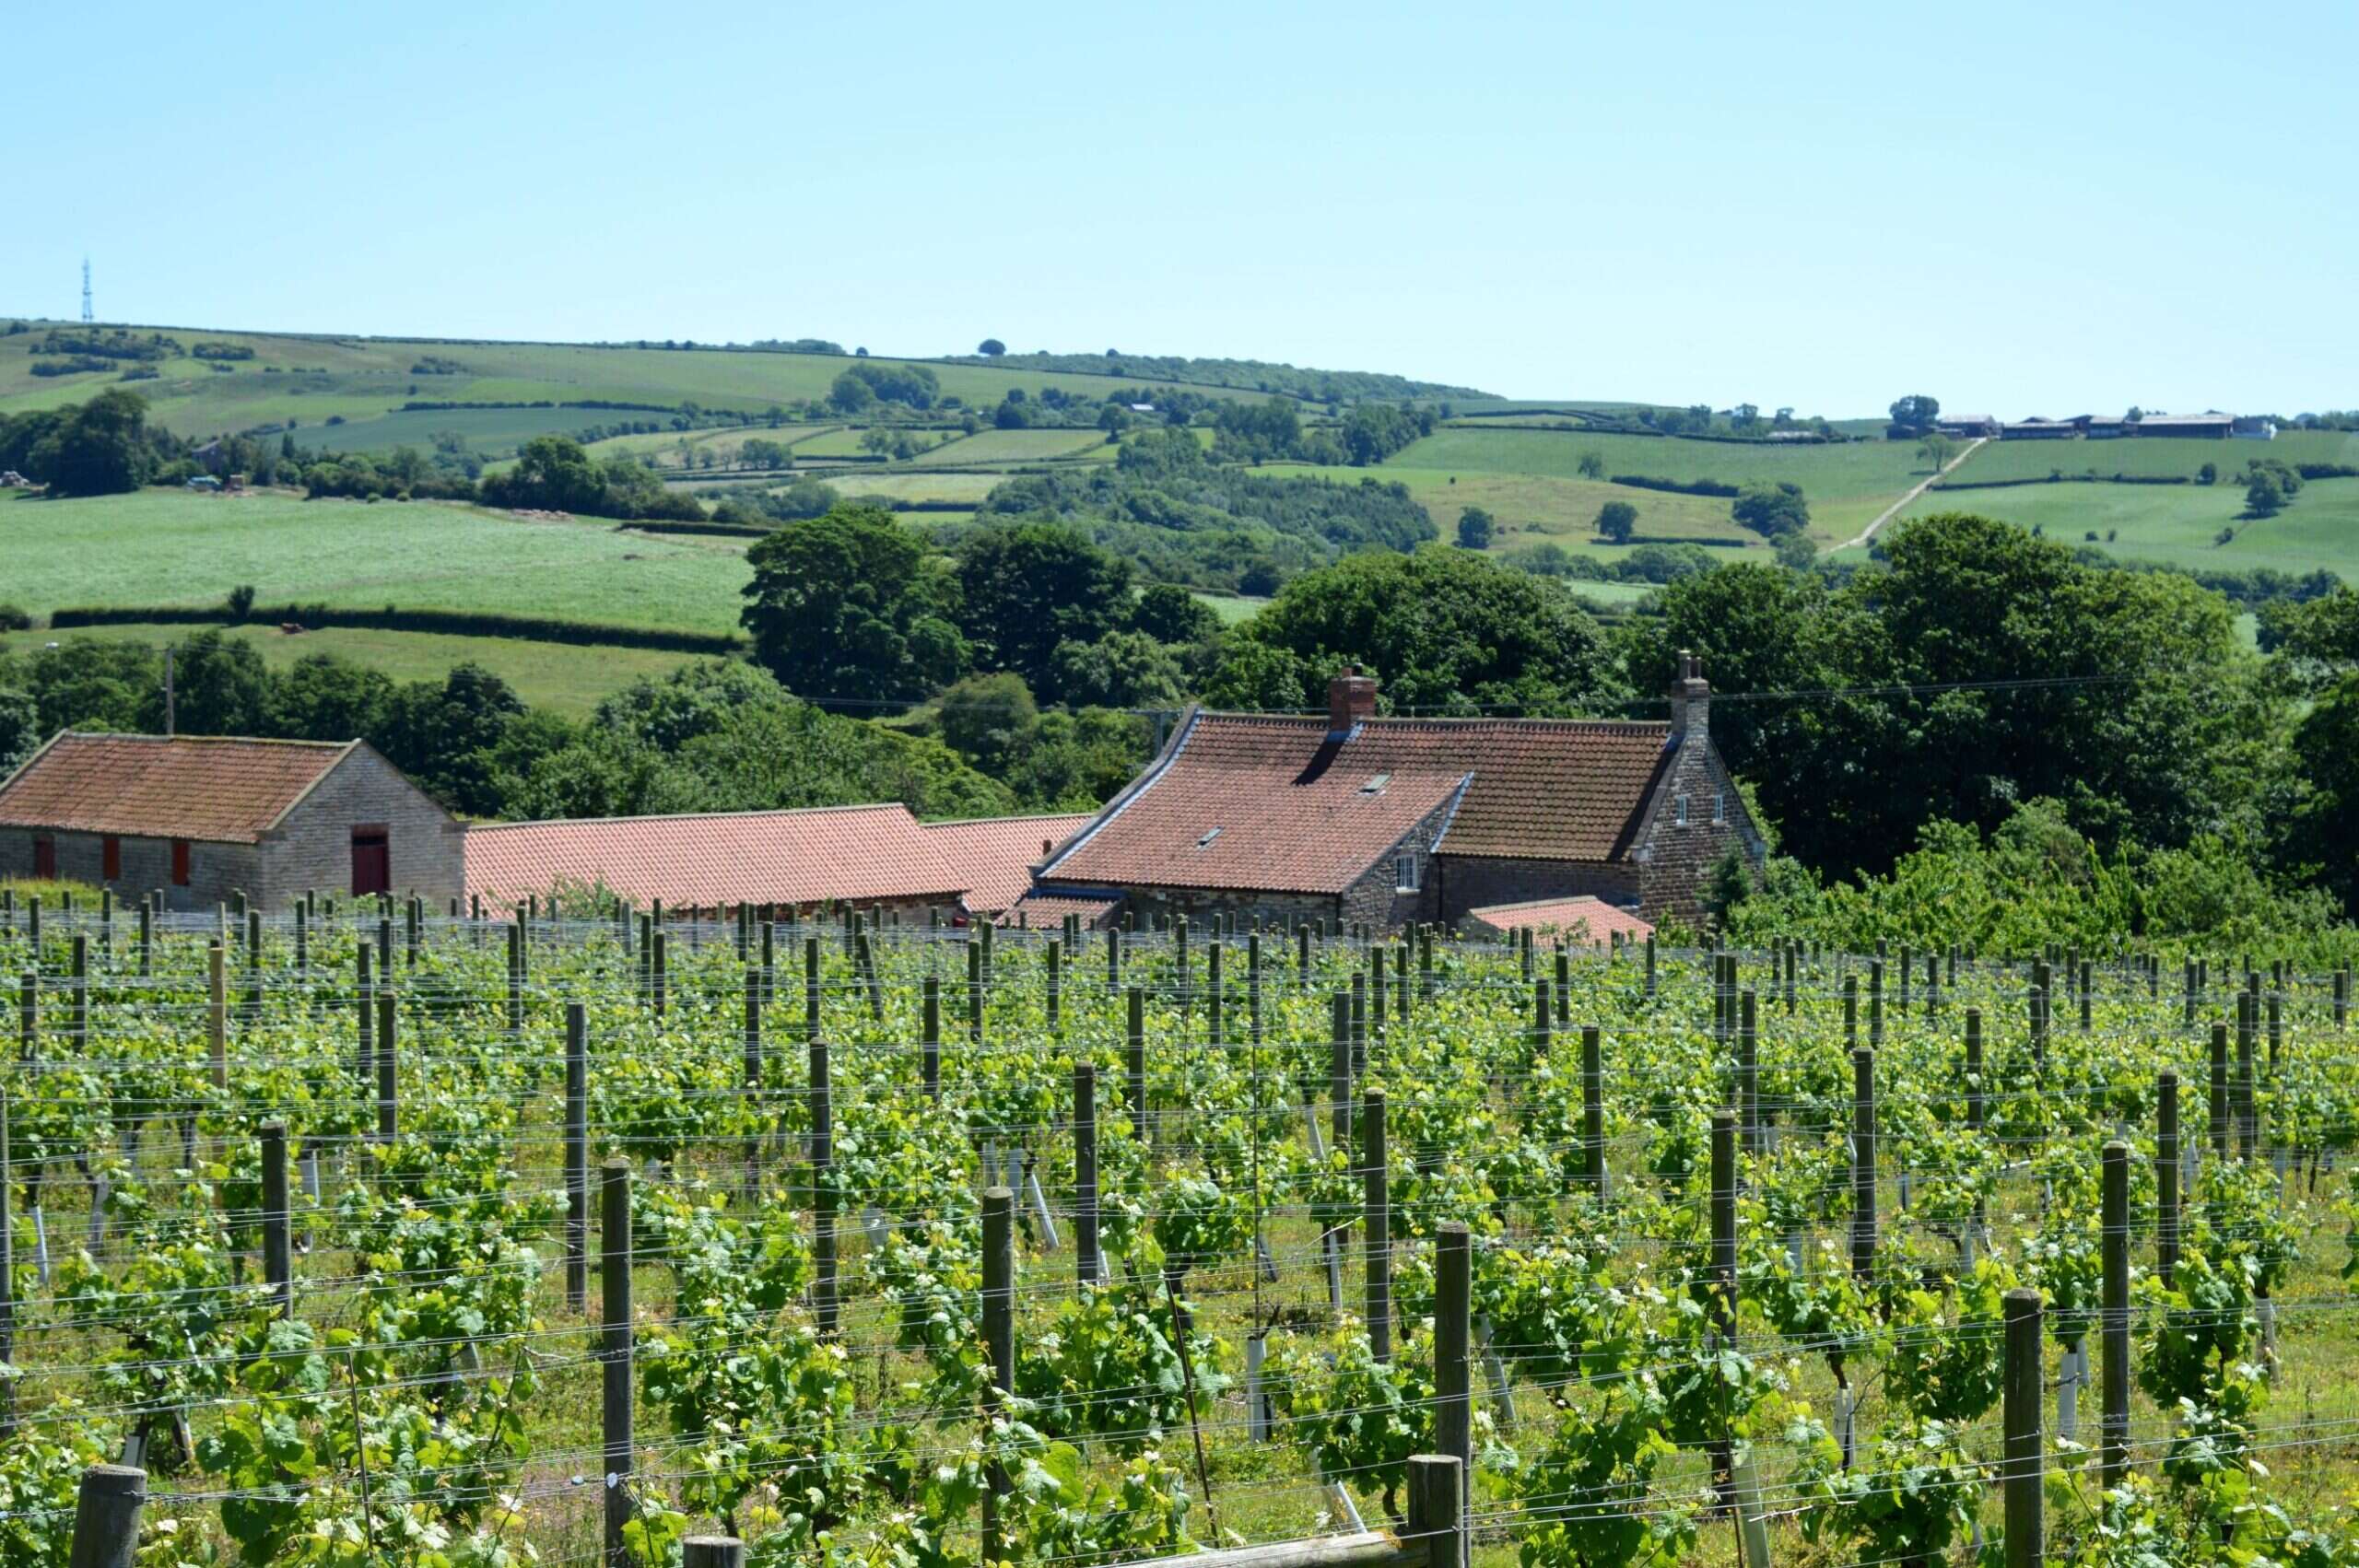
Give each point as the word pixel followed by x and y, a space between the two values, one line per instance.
pixel 242 601
pixel 14 619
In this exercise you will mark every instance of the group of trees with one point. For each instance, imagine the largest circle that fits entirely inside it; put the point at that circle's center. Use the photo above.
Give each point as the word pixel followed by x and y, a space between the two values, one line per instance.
pixel 100 448
pixel 870 382
pixel 854 607
pixel 557 474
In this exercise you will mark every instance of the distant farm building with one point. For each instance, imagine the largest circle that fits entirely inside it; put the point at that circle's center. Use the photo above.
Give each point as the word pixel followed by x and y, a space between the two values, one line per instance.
pixel 2039 430
pixel 2102 428
pixel 199 818
pixel 2198 427
pixel 1382 822
pixel 1966 427
pixel 2253 428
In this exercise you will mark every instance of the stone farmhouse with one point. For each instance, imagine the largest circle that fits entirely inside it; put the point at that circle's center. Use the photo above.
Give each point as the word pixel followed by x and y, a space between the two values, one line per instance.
pixel 198 818
pixel 1389 821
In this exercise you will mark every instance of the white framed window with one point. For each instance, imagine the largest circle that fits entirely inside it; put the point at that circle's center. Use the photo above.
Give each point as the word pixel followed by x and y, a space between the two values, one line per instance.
pixel 1720 806
pixel 1405 873
pixel 1679 805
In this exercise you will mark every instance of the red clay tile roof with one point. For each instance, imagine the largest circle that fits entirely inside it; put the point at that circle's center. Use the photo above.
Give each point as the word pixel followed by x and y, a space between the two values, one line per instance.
pixel 993 857
pixel 1260 803
pixel 856 853
pixel 1602 919
pixel 212 788
pixel 1287 799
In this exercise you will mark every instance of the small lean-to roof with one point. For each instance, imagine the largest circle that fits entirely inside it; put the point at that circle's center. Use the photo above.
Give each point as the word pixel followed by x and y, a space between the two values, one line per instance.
pixel 1602 920
pixel 1302 810
pixel 856 854
pixel 218 789
pixel 993 856
pixel 1044 910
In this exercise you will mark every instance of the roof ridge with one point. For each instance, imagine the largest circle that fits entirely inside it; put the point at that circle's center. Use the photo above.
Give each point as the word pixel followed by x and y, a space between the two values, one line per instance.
pixel 1028 816
pixel 1404 719
pixel 292 744
pixel 700 816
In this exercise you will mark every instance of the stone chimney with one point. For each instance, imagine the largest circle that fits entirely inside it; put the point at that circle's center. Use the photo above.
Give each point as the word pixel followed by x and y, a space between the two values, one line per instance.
pixel 1351 699
pixel 1691 699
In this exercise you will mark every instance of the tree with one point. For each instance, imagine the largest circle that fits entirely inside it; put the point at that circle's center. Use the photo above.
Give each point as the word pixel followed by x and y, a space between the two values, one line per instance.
pixel 1591 465
pixel 1916 412
pixel 1445 630
pixel 552 473
pixel 100 449
pixel 848 605
pixel 1170 614
pixel 1935 450
pixel 2324 836
pixel 324 697
pixel 848 393
pixel 446 735
pixel 989 720
pixel 2264 496
pixel 1122 669
pixel 1028 588
pixel 1616 521
pixel 1475 529
pixel 990 348
pixel 1772 510
pixel 219 687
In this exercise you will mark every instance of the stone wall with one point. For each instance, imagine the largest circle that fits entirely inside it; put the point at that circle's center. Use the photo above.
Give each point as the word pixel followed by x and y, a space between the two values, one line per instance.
pixel 312 850
pixel 1675 861
pixel 1471 881
pixel 215 871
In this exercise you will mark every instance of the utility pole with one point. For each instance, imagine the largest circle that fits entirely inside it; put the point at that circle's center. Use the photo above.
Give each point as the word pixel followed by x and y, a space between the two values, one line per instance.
pixel 89 315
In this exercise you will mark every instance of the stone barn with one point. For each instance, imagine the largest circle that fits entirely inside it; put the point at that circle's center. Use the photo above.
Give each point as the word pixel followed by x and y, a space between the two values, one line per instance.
pixel 200 817
pixel 1351 817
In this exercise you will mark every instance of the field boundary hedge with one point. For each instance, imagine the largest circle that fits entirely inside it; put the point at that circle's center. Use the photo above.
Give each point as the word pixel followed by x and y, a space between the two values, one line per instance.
pixel 1674 486
pixel 448 623
pixel 2065 479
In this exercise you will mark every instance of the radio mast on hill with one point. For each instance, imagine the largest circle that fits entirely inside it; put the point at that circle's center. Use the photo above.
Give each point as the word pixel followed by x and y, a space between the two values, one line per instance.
pixel 89 315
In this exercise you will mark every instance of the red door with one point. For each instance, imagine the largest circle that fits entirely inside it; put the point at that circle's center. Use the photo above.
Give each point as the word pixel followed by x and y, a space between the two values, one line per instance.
pixel 373 862
pixel 45 858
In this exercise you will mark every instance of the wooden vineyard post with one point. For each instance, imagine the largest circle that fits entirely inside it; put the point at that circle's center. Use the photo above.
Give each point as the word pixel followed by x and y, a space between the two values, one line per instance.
pixel 929 1046
pixel 146 940
pixel 1453 1390
pixel 302 940
pixel 1542 1019
pixel 1863 1164
pixel 515 977
pixel 2241 1097
pixel 577 1156
pixel 712 1551
pixel 1085 1172
pixel 975 990
pixel 822 1194
pixel 2022 1458
pixel 7 1284
pixel 999 1343
pixel 864 958
pixel 1253 987
pixel 388 1105
pixel 1593 1110
pixel 1375 1173
pixel 751 1071
pixel 1339 1070
pixel 1437 1482
pixel 1134 1063
pixel 1748 1069
pixel 811 1018
pixel 106 1516
pixel 277 1254
pixel 2167 1172
pixel 2219 1086
pixel 659 972
pixel 614 1351
pixel 365 1015
pixel 1875 1004
pixel 1650 965
pixel 1054 959
pixel 29 1017
pixel 2113 1332
pixel 217 1015
pixel 78 993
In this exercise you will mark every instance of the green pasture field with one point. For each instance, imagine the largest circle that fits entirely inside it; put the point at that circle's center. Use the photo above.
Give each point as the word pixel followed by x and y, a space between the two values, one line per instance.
pixel 1231 608
pixel 1528 508
pixel 908 485
pixel 2178 523
pixel 178 547
pixel 491 432
pixel 1847 484
pixel 2151 456
pixel 363 377
pixel 842 441
pixel 548 675
pixel 1014 445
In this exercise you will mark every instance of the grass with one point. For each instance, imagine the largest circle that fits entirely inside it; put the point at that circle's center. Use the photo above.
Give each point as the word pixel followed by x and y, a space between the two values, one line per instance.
pixel 308 378
pixel 2154 458
pixel 2179 524
pixel 1847 484
pixel 917 485
pixel 1528 508
pixel 547 675
pixel 1014 445
pixel 175 547
pixel 1231 608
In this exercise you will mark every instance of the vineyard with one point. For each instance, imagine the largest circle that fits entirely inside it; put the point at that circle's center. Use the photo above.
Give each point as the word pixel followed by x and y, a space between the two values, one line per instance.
pixel 375 1236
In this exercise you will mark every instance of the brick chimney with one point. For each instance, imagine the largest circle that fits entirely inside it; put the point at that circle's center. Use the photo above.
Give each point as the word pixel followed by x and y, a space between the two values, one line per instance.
pixel 1351 699
pixel 1691 699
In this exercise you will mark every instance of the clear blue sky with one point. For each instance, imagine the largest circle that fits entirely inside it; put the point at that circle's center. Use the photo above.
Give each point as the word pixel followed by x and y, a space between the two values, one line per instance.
pixel 2017 209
